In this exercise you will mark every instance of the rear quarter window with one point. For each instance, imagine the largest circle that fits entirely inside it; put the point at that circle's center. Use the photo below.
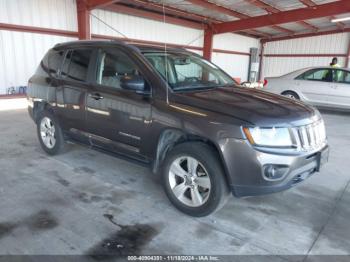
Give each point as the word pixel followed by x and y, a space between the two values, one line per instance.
pixel 55 61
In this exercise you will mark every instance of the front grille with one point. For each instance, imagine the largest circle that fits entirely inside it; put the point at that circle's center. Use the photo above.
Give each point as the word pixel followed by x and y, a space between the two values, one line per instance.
pixel 311 136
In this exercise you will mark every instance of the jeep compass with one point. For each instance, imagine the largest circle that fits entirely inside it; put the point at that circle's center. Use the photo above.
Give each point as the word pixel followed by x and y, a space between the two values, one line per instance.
pixel 187 119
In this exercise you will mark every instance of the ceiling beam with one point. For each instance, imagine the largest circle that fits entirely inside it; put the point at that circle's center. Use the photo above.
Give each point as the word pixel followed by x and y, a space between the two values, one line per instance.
pixel 118 8
pixel 230 12
pixel 326 32
pixel 93 4
pixel 154 7
pixel 310 3
pixel 184 14
pixel 271 9
pixel 145 6
pixel 340 25
pixel 329 9
pixel 220 9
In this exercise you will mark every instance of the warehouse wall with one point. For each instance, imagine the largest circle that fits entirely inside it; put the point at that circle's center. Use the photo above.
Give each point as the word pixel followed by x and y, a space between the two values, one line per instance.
pixel 140 28
pixel 144 29
pixel 57 14
pixel 285 56
pixel 235 64
pixel 20 52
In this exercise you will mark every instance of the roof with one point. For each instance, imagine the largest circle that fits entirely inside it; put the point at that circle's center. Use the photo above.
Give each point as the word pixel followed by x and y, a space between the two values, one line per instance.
pixel 141 48
pixel 89 43
pixel 302 70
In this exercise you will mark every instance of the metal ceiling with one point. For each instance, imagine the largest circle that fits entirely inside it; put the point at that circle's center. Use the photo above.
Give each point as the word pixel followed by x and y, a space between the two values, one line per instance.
pixel 231 10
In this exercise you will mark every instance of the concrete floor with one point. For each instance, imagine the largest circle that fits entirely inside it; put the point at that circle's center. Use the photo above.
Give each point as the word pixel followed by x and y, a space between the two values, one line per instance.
pixel 86 202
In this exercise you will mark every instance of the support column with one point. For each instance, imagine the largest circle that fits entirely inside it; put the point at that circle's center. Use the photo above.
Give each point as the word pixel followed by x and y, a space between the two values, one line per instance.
pixel 208 43
pixel 262 53
pixel 83 15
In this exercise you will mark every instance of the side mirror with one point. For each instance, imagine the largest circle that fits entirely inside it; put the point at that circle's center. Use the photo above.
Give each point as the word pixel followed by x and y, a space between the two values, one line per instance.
pixel 136 83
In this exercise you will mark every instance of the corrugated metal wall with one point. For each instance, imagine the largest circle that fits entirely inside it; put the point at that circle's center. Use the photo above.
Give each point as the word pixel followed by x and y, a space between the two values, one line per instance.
pixel 56 14
pixel 20 53
pixel 326 44
pixel 236 65
pixel 145 29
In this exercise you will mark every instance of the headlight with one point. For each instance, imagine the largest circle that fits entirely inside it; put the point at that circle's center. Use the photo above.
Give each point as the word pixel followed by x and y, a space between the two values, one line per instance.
pixel 270 137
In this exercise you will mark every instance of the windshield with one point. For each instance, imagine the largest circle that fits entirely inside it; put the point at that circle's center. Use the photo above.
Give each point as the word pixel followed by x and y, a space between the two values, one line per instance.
pixel 187 71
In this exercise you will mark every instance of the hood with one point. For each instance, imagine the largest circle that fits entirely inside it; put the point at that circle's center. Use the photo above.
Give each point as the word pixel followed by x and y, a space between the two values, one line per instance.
pixel 257 107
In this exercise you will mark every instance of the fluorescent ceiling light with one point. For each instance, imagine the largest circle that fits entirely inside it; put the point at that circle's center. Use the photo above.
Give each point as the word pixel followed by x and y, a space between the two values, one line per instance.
pixel 340 19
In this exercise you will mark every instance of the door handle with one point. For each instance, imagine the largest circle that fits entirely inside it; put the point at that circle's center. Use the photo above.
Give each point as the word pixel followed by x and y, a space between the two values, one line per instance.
pixel 96 96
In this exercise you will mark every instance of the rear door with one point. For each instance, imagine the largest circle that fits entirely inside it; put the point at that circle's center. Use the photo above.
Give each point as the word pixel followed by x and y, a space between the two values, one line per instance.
pixel 316 85
pixel 118 119
pixel 71 94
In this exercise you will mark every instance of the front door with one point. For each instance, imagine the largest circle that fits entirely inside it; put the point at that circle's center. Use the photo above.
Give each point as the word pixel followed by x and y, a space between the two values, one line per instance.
pixel 317 85
pixel 116 118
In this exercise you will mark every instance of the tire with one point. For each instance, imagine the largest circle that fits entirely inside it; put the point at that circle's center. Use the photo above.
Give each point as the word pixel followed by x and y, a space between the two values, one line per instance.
pixel 48 126
pixel 291 95
pixel 183 187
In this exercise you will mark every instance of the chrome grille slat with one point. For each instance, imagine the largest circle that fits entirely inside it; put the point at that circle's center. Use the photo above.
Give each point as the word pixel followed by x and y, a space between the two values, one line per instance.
pixel 310 136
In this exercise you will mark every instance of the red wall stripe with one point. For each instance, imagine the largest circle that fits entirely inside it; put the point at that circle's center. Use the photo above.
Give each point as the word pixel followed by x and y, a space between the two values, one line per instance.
pixel 38 30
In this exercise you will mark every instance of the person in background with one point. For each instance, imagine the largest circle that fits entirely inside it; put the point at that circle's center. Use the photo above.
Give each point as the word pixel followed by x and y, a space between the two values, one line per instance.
pixel 330 76
pixel 334 62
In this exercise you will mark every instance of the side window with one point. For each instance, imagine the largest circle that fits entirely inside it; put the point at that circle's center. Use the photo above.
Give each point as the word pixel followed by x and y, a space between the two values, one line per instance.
pixel 115 65
pixel 324 75
pixel 342 76
pixel 76 64
pixel 55 60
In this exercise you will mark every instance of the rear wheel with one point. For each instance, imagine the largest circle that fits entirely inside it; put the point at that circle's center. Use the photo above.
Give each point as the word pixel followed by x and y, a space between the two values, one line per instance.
pixel 49 133
pixel 291 94
pixel 194 180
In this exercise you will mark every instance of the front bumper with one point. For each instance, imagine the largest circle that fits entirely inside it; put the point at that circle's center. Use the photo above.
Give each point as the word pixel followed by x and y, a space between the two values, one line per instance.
pixel 246 166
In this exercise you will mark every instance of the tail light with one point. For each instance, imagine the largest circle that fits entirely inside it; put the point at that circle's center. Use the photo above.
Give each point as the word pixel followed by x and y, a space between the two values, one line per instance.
pixel 265 82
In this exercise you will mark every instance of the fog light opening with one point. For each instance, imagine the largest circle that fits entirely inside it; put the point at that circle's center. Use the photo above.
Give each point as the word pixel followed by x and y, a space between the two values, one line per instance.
pixel 274 172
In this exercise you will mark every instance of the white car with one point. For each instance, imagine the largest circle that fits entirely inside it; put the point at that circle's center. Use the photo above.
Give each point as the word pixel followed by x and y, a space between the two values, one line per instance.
pixel 320 86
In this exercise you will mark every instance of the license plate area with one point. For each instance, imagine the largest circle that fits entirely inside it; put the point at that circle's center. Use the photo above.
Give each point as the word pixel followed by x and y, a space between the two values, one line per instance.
pixel 322 158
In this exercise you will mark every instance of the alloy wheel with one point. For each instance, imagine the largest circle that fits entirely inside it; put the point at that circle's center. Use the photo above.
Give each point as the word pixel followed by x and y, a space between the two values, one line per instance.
pixel 47 132
pixel 189 181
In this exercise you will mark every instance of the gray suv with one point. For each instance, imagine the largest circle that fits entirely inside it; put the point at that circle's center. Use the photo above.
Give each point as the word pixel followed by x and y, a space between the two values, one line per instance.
pixel 203 134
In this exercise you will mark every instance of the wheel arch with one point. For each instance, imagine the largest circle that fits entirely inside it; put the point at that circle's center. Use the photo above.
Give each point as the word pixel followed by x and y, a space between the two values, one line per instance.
pixel 291 91
pixel 169 138
pixel 40 106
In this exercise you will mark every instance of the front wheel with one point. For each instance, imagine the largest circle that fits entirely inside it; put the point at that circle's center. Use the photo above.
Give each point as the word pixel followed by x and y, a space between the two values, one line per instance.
pixel 194 180
pixel 49 133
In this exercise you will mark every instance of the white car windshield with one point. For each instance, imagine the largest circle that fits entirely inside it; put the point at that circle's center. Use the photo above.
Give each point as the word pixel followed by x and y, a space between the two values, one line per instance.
pixel 185 71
